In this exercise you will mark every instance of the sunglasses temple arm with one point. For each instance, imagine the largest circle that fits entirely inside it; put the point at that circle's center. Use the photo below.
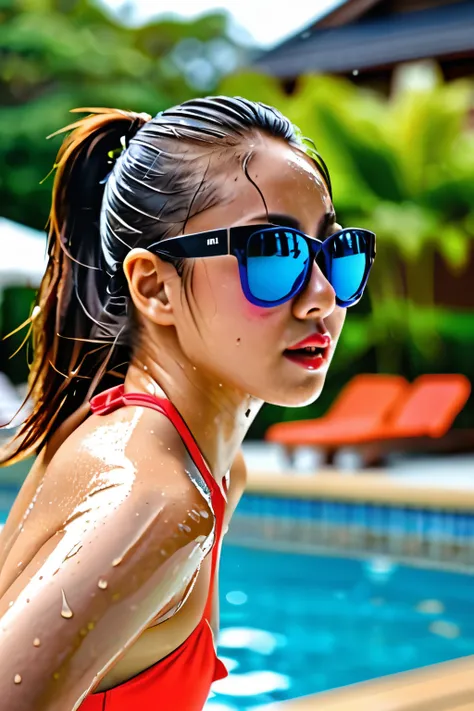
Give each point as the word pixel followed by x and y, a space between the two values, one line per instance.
pixel 213 243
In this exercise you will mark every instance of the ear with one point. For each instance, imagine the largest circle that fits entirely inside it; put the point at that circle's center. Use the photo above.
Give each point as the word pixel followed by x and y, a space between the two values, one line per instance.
pixel 149 279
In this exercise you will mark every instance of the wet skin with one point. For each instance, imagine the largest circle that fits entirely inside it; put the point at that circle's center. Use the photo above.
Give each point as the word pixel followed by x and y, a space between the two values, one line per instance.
pixel 109 533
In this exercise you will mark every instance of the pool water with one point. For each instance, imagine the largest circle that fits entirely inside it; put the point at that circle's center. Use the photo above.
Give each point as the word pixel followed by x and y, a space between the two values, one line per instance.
pixel 298 624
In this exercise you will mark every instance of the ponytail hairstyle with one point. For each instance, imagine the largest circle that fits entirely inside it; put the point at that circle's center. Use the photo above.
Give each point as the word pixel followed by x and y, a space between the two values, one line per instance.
pixel 123 180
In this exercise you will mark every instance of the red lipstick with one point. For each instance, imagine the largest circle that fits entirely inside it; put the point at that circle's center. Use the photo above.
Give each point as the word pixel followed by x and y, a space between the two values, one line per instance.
pixel 311 353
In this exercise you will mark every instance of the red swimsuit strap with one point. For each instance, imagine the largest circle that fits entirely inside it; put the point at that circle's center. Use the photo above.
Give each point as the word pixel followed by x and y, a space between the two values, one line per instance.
pixel 115 398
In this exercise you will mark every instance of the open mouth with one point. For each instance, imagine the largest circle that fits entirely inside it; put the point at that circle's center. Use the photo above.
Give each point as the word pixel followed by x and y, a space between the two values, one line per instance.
pixel 312 352
pixel 309 350
pixel 311 357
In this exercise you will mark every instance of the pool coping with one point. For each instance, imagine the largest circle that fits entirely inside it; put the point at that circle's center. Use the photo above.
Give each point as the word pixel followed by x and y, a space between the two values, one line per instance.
pixel 374 487
pixel 448 686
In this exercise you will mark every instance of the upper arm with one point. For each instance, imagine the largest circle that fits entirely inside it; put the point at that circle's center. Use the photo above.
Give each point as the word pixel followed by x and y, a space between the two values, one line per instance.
pixel 94 586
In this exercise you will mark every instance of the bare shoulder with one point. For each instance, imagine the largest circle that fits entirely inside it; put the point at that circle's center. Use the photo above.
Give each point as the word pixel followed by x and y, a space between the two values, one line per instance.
pixel 118 466
pixel 142 448
pixel 131 529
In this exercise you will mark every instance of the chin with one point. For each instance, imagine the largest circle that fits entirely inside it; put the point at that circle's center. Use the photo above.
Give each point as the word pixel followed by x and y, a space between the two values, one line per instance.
pixel 299 396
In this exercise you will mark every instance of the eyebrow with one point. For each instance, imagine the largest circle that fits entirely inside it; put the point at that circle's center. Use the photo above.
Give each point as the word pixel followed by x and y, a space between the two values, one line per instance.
pixel 283 220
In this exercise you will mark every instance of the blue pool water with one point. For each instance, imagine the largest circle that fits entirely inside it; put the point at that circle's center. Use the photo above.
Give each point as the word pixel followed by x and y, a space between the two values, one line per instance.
pixel 7 497
pixel 298 624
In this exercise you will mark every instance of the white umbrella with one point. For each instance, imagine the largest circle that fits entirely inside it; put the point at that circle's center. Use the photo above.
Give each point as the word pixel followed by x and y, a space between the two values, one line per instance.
pixel 22 254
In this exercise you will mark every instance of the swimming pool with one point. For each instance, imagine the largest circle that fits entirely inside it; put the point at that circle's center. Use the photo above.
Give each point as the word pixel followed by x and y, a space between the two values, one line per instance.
pixel 298 624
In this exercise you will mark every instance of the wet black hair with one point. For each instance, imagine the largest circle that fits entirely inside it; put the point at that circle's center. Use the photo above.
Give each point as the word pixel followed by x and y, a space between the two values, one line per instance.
pixel 123 180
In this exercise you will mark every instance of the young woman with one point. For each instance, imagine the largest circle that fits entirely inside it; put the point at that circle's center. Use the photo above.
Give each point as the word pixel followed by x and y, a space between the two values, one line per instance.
pixel 195 272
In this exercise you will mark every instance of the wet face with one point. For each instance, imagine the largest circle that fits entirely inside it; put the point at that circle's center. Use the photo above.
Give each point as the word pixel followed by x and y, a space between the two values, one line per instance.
pixel 219 331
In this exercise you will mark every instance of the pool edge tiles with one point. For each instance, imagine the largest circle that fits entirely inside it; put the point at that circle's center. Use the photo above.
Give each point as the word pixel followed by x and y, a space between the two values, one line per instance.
pixel 307 515
pixel 447 686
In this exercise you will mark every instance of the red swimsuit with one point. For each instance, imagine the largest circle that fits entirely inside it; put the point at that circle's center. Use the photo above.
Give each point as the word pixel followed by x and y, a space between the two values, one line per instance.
pixel 182 680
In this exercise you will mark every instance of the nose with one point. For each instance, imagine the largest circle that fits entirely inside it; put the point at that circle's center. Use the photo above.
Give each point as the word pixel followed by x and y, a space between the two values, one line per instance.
pixel 317 300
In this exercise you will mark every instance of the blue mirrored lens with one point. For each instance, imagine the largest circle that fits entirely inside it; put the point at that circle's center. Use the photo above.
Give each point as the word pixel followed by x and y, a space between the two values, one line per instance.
pixel 346 264
pixel 277 263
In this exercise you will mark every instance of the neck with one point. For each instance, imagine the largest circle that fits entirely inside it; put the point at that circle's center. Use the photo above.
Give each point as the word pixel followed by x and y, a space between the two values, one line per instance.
pixel 218 414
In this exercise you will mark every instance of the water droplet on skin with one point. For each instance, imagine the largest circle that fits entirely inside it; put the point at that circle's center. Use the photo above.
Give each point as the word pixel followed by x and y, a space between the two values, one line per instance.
pixel 66 611
pixel 194 515
pixel 145 367
pixel 73 551
pixel 116 561
pixel 20 563
pixel 17 679
pixel 183 527
pixel 204 514
pixel 163 552
pixel 220 385
pixel 36 642
pixel 102 584
pixel 151 389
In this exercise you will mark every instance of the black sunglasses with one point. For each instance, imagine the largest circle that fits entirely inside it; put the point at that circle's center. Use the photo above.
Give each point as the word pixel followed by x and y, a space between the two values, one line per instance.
pixel 275 262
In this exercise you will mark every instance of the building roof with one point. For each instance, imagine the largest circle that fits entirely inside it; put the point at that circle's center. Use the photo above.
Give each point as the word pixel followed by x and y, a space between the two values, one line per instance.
pixel 369 43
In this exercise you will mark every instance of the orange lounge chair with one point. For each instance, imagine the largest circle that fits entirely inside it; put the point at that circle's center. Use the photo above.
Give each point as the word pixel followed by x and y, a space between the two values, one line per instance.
pixel 423 422
pixel 360 408
pixel 426 409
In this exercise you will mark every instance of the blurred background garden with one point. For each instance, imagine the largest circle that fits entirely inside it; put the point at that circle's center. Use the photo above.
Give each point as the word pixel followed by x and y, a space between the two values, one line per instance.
pixel 396 130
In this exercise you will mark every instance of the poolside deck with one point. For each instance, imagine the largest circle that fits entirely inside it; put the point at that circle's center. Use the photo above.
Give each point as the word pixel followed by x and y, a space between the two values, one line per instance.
pixel 431 482
pixel 373 487
pixel 442 687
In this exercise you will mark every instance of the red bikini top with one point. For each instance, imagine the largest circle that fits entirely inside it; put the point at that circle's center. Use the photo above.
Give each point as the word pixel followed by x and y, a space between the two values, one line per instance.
pixel 115 398
pixel 182 680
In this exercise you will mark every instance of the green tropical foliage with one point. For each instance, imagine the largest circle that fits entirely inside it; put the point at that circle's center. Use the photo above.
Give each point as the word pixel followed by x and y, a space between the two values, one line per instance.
pixel 60 54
